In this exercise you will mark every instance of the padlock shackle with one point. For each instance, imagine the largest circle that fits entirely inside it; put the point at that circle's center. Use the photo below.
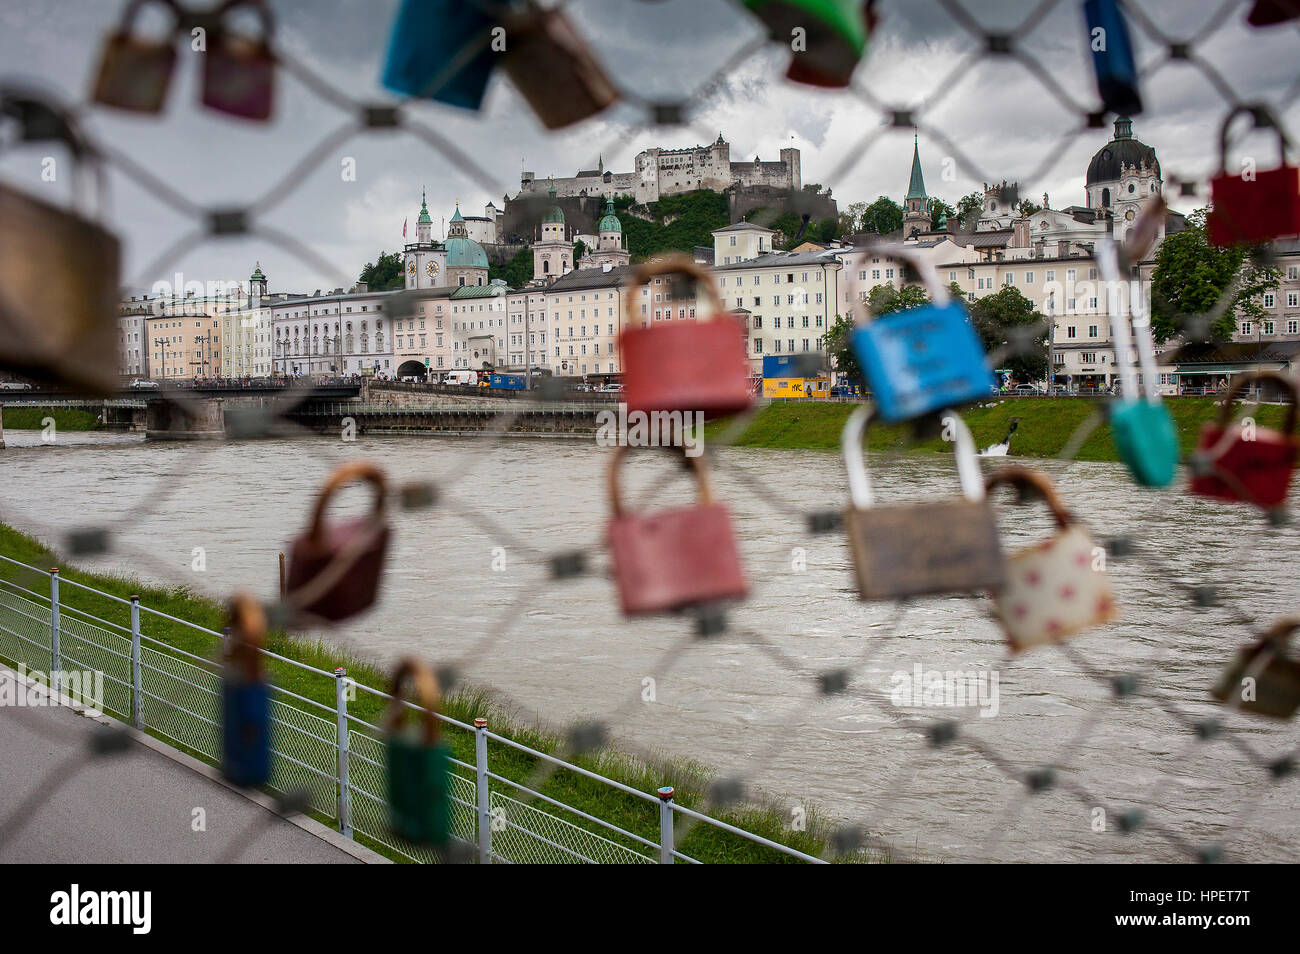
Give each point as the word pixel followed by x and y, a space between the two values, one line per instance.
pixel 1030 477
pixel 341 477
pixel 260 7
pixel 1280 632
pixel 424 682
pixel 1254 111
pixel 132 10
pixel 615 487
pixel 247 639
pixel 929 275
pixel 860 492
pixel 1226 412
pixel 677 264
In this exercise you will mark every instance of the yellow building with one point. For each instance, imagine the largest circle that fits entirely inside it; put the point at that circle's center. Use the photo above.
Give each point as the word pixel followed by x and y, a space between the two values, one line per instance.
pixel 184 346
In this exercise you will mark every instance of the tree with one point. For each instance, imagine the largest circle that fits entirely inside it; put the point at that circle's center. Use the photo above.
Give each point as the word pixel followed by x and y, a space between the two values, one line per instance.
pixel 384 274
pixel 850 216
pixel 1191 275
pixel 1028 207
pixel 968 210
pixel 1007 317
pixel 882 217
pixel 579 250
pixel 515 273
pixel 941 209
pixel 838 345
pixel 886 299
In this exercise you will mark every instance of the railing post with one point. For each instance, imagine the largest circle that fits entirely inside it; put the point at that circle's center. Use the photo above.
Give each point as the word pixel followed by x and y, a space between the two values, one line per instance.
pixel 54 623
pixel 481 776
pixel 136 679
pixel 341 716
pixel 666 839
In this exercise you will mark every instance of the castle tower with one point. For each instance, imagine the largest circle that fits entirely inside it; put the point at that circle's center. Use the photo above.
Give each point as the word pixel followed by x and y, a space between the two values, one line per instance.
pixel 553 252
pixel 916 207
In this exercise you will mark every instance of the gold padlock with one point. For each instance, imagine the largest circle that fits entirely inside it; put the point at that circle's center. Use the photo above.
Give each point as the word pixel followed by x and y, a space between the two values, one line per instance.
pixel 1262 678
pixel 135 73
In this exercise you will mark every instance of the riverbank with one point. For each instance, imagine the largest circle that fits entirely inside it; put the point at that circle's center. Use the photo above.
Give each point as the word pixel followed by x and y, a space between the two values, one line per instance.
pixel 691 781
pixel 1045 426
pixel 65 418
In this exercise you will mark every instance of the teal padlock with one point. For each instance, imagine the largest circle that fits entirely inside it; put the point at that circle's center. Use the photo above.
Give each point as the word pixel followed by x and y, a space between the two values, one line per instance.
pixel 1146 440
pixel 1144 433
pixel 419 764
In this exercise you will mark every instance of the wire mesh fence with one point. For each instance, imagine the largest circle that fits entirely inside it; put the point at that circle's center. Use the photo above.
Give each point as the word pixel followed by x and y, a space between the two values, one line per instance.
pixel 185 692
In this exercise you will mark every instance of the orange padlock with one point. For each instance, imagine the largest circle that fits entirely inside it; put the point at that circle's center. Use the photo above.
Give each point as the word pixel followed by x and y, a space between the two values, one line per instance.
pixel 684 365
pixel 136 73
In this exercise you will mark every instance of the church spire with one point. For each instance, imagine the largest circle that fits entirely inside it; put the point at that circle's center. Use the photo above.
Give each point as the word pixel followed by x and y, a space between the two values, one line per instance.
pixel 916 185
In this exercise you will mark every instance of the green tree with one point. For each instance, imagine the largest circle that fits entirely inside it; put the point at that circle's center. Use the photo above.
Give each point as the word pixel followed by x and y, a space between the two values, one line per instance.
pixel 968 210
pixel 579 250
pixel 517 272
pixel 886 299
pixel 678 223
pixel 1007 317
pixel 850 216
pixel 384 274
pixel 1191 275
pixel 1028 207
pixel 941 209
pixel 882 217
pixel 837 343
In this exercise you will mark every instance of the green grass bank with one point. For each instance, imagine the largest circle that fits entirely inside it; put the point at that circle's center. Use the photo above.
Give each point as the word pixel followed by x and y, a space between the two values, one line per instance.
pixel 691 780
pixel 1044 429
pixel 65 418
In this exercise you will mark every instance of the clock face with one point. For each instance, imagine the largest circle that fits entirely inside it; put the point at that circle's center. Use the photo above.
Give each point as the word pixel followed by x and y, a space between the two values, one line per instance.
pixel 410 267
pixel 432 269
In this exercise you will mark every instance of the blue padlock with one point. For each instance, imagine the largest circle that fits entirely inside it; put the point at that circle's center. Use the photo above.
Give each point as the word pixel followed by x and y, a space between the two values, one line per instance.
pixel 922 359
pixel 1144 432
pixel 1112 57
pixel 245 698
pixel 441 50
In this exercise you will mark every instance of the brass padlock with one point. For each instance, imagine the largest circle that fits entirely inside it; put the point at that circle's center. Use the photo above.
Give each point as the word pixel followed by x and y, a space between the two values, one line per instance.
pixel 1262 678
pixel 60 273
pixel 135 73
pixel 1055 588
pixel 940 546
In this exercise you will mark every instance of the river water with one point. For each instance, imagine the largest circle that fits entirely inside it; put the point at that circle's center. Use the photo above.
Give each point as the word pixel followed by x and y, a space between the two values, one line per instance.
pixel 747 703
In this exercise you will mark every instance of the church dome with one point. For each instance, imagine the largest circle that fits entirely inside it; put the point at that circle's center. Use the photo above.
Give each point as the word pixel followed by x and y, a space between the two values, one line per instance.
pixel 465 253
pixel 1123 150
pixel 556 214
pixel 610 222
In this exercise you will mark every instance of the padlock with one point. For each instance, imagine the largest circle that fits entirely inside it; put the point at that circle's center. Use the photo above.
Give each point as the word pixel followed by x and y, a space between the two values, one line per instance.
pixel 673 559
pixel 135 73
pixel 1140 423
pixel 419 763
pixel 923 359
pixel 1055 588
pixel 59 272
pixel 442 50
pixel 239 71
pixel 1269 12
pixel 553 67
pixel 1249 464
pixel 1260 208
pixel 1112 57
pixel 832 39
pixel 335 568
pixel 245 697
pixel 940 546
pixel 684 365
pixel 1262 678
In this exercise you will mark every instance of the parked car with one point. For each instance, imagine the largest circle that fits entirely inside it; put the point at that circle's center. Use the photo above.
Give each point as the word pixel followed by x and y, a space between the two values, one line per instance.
pixel 142 384
pixel 610 389
pixel 1025 389
pixel 15 386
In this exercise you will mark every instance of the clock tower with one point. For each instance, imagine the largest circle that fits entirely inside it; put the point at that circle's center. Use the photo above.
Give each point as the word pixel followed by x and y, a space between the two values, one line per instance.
pixel 425 259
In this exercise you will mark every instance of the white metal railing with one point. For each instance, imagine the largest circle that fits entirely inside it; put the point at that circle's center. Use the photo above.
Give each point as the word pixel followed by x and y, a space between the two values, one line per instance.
pixel 333 754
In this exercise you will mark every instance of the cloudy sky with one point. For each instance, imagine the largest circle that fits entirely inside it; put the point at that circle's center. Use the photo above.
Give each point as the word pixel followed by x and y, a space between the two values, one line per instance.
pixel 992 117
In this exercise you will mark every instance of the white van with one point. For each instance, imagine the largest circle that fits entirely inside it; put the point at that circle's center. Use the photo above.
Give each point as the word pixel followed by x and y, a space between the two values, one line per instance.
pixel 467 378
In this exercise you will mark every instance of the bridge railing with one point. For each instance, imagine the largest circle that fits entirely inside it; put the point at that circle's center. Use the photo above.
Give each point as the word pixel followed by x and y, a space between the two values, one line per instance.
pixel 172 689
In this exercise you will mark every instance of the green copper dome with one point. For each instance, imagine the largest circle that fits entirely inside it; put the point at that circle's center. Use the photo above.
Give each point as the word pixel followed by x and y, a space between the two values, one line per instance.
pixel 465 253
pixel 610 222
pixel 555 215
pixel 457 217
pixel 424 210
pixel 257 275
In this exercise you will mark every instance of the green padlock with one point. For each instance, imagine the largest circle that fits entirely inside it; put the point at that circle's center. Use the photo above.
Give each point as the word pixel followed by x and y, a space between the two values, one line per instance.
pixel 827 37
pixel 419 764
pixel 1144 432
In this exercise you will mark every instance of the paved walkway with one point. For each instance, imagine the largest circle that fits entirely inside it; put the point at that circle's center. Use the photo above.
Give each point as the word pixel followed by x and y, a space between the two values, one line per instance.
pixel 61 804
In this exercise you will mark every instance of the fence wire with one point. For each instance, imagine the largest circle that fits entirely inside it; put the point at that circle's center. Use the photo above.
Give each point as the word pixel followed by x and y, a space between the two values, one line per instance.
pixel 1015 780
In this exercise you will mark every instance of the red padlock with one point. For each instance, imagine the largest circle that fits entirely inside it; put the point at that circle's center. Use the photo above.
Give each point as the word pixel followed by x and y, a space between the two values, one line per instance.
pixel 239 71
pixel 335 568
pixel 136 73
pixel 673 559
pixel 684 365
pixel 1256 209
pixel 1250 464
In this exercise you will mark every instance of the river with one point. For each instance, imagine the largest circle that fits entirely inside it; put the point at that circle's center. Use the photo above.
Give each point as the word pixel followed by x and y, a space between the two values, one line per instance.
pixel 747 702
